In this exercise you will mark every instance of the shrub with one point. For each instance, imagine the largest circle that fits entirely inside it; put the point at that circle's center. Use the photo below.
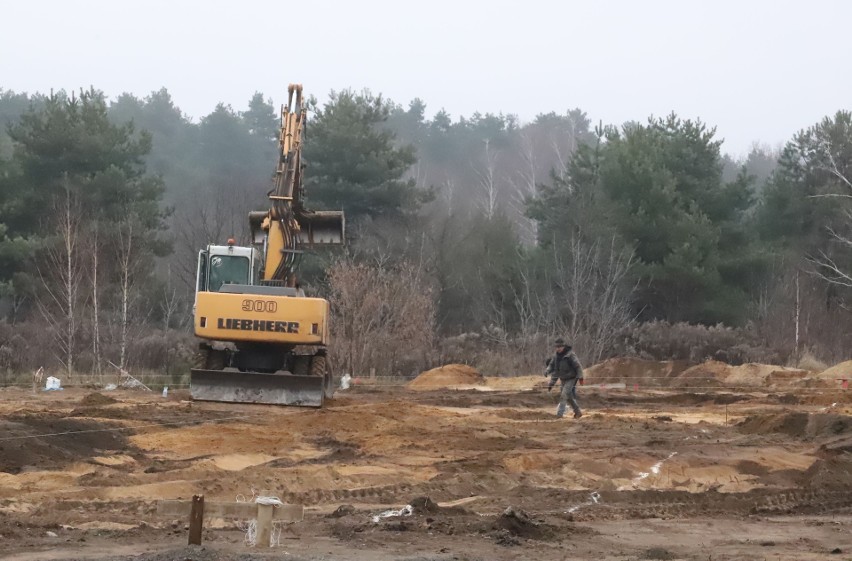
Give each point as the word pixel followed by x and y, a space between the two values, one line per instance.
pixel 694 343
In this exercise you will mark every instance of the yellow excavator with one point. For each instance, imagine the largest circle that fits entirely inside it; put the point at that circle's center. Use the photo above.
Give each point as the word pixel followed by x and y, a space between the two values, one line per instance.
pixel 263 340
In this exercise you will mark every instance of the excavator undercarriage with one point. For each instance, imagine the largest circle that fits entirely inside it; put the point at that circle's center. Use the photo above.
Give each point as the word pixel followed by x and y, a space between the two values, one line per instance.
pixel 303 379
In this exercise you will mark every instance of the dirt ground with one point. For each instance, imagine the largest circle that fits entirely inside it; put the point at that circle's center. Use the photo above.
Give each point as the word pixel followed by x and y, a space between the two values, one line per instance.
pixel 490 473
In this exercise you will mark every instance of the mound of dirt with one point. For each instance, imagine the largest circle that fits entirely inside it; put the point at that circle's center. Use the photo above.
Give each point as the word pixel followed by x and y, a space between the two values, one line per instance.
pixel 754 374
pixel 96 398
pixel 446 377
pixel 635 370
pixel 710 374
pixel 715 374
pixel 842 371
pixel 837 447
pixel 424 505
pixel 799 425
pixel 829 473
pixel 518 523
pixel 341 511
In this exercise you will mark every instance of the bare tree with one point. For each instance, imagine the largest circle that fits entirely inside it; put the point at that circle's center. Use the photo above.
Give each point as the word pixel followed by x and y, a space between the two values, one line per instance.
pixel 94 275
pixel 448 194
pixel 383 316
pixel 127 249
pixel 487 175
pixel 591 300
pixel 171 301
pixel 208 219
pixel 61 273
pixel 565 144
pixel 524 182
pixel 825 266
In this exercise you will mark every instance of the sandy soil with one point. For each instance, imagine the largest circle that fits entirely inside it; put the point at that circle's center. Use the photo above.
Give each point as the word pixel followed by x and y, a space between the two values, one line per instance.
pixel 649 474
pixel 447 376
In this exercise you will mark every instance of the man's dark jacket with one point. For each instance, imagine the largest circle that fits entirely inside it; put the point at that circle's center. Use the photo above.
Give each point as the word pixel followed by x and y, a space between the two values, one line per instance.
pixel 565 366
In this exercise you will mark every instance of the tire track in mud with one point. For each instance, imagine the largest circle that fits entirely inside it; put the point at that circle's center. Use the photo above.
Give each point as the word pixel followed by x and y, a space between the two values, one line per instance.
pixel 611 505
pixel 680 504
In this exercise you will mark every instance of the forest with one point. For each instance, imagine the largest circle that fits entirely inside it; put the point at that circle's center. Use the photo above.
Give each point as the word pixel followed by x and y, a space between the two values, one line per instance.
pixel 476 239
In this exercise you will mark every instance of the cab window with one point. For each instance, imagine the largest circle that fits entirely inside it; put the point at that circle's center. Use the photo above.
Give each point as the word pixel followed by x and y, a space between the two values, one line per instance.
pixel 227 269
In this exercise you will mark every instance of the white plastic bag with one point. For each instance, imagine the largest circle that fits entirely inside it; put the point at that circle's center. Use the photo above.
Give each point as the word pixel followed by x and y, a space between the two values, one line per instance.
pixel 345 381
pixel 52 384
pixel 407 510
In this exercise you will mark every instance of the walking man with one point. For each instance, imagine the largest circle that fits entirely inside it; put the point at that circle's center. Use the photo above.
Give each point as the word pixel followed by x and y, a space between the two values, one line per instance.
pixel 566 367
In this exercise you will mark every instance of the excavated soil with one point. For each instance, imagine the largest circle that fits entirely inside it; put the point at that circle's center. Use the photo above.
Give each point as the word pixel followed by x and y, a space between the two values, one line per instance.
pixel 648 373
pixel 94 399
pixel 713 375
pixel 447 377
pixel 719 374
pixel 22 450
pixel 842 370
pixel 490 473
pixel 798 425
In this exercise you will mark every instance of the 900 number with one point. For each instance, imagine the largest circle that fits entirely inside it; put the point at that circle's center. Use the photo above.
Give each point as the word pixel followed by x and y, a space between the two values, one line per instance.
pixel 260 306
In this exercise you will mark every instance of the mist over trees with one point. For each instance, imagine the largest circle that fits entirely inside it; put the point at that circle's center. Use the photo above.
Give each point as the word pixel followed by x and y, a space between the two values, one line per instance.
pixel 509 232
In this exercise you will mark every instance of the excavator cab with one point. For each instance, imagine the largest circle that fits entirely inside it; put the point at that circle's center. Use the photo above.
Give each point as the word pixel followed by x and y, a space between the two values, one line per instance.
pixel 219 265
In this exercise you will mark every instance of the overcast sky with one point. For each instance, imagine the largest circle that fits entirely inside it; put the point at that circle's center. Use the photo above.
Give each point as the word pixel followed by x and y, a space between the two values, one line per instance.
pixel 757 70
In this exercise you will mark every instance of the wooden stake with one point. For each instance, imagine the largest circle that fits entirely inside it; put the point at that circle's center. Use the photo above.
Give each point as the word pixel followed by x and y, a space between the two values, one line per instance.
pixel 264 525
pixel 196 517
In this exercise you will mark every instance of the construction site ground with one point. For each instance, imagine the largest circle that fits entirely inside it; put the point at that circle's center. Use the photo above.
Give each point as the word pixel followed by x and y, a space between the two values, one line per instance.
pixel 490 472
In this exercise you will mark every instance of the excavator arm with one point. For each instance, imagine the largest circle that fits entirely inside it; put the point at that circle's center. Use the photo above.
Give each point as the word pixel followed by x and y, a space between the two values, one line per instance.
pixel 288 226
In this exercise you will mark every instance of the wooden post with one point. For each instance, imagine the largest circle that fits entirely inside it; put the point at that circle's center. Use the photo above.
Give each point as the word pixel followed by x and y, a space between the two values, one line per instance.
pixel 196 517
pixel 264 525
pixel 197 509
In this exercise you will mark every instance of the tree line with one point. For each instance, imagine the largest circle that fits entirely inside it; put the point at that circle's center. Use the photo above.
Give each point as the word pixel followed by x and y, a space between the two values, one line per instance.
pixel 478 230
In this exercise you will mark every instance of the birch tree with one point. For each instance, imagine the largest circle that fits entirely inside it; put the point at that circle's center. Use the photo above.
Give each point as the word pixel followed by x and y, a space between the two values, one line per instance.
pixel 127 252
pixel 94 251
pixel 487 175
pixel 61 272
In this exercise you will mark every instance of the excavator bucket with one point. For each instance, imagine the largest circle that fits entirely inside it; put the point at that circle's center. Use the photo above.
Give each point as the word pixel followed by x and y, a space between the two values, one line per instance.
pixel 257 387
pixel 322 228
